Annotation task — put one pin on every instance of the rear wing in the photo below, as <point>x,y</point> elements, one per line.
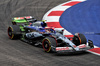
<point>21,20</point>
<point>25,17</point>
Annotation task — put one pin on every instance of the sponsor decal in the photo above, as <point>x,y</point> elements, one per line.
<point>82,46</point>
<point>62,48</point>
<point>74,46</point>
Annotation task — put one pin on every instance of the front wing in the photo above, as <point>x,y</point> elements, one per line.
<point>82,47</point>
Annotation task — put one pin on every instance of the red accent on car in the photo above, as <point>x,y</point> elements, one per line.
<point>82,46</point>
<point>62,48</point>
<point>74,46</point>
<point>69,36</point>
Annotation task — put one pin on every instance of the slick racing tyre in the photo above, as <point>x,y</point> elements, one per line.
<point>13,32</point>
<point>79,39</point>
<point>47,43</point>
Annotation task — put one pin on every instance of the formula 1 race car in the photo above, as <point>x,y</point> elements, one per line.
<point>36,32</point>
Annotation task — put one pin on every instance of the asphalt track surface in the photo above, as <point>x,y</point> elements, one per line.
<point>18,53</point>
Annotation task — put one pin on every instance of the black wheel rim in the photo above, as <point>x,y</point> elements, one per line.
<point>76,41</point>
<point>46,45</point>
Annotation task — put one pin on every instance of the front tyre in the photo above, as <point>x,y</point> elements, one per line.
<point>47,43</point>
<point>79,39</point>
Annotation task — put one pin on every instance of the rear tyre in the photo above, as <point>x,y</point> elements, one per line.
<point>79,39</point>
<point>47,43</point>
<point>13,32</point>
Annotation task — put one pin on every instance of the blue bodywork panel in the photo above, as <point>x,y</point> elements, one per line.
<point>36,28</point>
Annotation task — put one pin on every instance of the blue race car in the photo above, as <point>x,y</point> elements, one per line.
<point>36,32</point>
